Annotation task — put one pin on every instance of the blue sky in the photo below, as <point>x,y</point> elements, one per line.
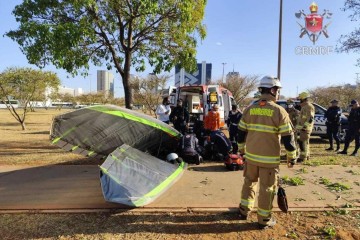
<point>244,35</point>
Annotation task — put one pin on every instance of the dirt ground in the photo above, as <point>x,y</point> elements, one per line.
<point>32,147</point>
<point>308,225</point>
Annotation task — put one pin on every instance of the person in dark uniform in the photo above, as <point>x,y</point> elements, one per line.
<point>353,129</point>
<point>221,143</point>
<point>333,115</point>
<point>190,151</point>
<point>180,117</point>
<point>232,123</point>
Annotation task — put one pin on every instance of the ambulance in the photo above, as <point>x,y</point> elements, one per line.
<point>199,99</point>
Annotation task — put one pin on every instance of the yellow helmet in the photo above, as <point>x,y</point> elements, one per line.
<point>303,95</point>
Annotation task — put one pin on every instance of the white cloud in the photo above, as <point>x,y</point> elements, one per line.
<point>219,43</point>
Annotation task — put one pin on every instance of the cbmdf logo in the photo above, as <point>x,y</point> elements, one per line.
<point>315,24</point>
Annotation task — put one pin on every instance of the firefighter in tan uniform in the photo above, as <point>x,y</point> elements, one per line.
<point>293,112</point>
<point>305,125</point>
<point>261,128</point>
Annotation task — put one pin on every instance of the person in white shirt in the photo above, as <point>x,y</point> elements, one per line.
<point>163,111</point>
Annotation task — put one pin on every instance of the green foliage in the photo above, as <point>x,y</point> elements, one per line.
<point>338,187</point>
<point>294,181</point>
<point>302,170</point>
<point>292,235</point>
<point>353,172</point>
<point>325,181</point>
<point>25,85</point>
<point>115,33</point>
<point>330,231</point>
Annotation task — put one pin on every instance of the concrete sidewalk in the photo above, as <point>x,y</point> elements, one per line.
<point>208,186</point>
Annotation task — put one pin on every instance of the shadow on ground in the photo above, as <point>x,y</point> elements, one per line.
<point>91,224</point>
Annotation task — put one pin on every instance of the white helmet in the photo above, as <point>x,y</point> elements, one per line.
<point>269,82</point>
<point>171,157</point>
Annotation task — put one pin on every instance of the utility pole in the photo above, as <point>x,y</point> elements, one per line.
<point>279,46</point>
<point>223,71</point>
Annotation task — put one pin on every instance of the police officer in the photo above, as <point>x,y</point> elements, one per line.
<point>353,130</point>
<point>180,117</point>
<point>232,123</point>
<point>293,113</point>
<point>305,125</point>
<point>332,115</point>
<point>262,125</point>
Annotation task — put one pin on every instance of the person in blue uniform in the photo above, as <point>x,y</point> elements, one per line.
<point>333,115</point>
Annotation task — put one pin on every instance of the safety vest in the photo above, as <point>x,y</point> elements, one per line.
<point>212,121</point>
<point>265,123</point>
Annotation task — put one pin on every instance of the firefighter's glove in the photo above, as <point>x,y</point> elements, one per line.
<point>282,200</point>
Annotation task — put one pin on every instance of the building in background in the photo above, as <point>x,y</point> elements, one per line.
<point>201,76</point>
<point>232,75</point>
<point>65,90</point>
<point>78,92</point>
<point>105,82</point>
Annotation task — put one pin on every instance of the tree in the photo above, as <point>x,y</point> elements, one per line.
<point>62,98</point>
<point>351,42</point>
<point>241,86</point>
<point>147,91</point>
<point>118,33</point>
<point>24,84</point>
<point>343,93</point>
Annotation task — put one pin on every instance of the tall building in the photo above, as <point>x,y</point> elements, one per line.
<point>201,76</point>
<point>232,75</point>
<point>105,82</point>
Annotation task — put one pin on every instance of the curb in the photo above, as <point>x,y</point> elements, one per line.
<point>160,210</point>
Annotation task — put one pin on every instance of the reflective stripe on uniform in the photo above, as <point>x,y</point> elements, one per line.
<point>242,124</point>
<point>285,128</point>
<point>291,154</point>
<point>263,159</point>
<point>247,202</point>
<point>263,212</point>
<point>262,128</point>
<point>241,145</point>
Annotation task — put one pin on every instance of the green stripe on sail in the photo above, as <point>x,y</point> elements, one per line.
<point>129,116</point>
<point>106,172</point>
<point>74,148</point>
<point>65,133</point>
<point>160,187</point>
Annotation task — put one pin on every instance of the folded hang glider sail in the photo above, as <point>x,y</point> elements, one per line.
<point>98,130</point>
<point>134,178</point>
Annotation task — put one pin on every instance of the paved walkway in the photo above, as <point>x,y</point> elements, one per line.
<point>206,187</point>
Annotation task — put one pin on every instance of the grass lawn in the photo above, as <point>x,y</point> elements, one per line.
<point>33,147</point>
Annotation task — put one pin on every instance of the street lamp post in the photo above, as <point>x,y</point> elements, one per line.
<point>90,81</point>
<point>223,71</point>
<point>280,36</point>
